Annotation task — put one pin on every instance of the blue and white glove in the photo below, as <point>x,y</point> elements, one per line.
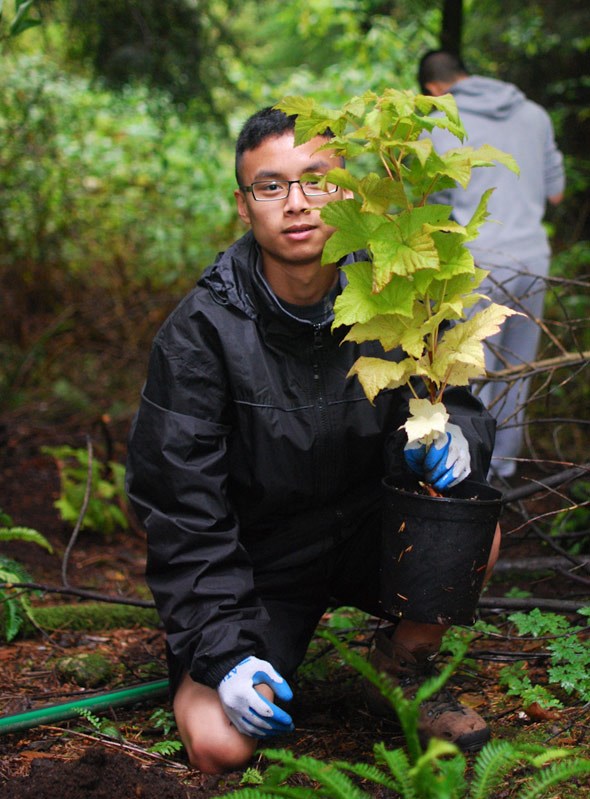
<point>443,464</point>
<point>249,712</point>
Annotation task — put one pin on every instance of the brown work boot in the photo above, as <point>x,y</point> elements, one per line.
<point>441,716</point>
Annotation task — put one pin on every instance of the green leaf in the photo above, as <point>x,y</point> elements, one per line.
<point>353,229</point>
<point>479,216</point>
<point>358,304</point>
<point>486,155</point>
<point>447,105</point>
<point>379,194</point>
<point>343,178</point>
<point>453,256</point>
<point>401,247</point>
<point>21,21</point>
<point>311,120</point>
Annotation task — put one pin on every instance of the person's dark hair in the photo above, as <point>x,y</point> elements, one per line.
<point>439,65</point>
<point>262,125</point>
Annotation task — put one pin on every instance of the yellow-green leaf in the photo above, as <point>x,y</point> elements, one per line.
<point>460,354</point>
<point>391,332</point>
<point>375,374</point>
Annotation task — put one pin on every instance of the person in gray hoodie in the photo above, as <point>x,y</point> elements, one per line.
<point>513,244</point>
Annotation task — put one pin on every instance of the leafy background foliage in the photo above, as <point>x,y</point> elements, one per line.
<point>117,124</point>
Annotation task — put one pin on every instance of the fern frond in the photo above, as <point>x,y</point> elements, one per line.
<point>495,760</point>
<point>407,710</point>
<point>86,714</point>
<point>11,571</point>
<point>15,604</point>
<point>398,764</point>
<point>366,771</point>
<point>25,534</point>
<point>333,783</point>
<point>553,775</point>
<point>166,748</point>
<point>12,615</point>
<point>287,791</point>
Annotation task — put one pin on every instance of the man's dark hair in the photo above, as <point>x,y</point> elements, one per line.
<point>262,125</point>
<point>440,65</point>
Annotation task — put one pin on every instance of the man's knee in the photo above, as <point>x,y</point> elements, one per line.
<point>218,754</point>
<point>212,743</point>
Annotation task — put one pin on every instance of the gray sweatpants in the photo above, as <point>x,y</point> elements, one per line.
<point>522,288</point>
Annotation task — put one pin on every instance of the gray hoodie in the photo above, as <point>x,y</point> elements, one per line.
<point>498,113</point>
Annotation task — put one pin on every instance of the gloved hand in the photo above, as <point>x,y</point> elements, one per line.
<point>249,712</point>
<point>445,462</point>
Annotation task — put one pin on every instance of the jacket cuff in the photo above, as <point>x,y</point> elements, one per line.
<point>217,671</point>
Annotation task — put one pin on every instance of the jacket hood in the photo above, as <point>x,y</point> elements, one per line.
<point>487,97</point>
<point>235,279</point>
<point>229,278</point>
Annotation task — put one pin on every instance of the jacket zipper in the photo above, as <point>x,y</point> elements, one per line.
<point>321,460</point>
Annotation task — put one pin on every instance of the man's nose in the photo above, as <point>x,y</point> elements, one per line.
<point>296,200</point>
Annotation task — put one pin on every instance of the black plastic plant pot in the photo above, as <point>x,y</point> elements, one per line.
<point>435,551</point>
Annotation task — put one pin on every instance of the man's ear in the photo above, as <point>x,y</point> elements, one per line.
<point>436,88</point>
<point>243,210</point>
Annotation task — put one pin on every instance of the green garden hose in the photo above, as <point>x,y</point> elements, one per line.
<point>68,710</point>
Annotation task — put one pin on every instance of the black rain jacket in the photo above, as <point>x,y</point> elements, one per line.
<point>249,442</point>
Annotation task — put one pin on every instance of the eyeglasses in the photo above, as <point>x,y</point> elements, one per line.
<point>266,190</point>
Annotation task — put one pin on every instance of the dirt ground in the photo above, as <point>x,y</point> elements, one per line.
<point>71,760</point>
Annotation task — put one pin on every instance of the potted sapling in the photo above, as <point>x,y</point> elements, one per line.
<point>417,295</point>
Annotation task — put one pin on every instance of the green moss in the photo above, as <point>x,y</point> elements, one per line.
<point>89,617</point>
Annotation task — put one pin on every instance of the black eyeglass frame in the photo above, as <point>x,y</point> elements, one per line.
<point>289,183</point>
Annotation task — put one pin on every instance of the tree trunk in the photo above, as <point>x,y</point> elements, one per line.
<point>452,24</point>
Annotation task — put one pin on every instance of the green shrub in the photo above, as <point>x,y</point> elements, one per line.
<point>15,602</point>
<point>105,511</point>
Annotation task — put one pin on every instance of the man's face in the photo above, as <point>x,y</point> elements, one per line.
<point>289,231</point>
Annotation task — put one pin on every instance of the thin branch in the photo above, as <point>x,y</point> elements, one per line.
<point>523,370</point>
<point>80,519</point>
<point>546,563</point>
<point>134,750</point>
<point>530,603</point>
<point>568,475</point>
<point>82,593</point>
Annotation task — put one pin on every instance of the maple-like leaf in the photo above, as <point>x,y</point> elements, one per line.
<point>343,178</point>
<point>312,120</point>
<point>358,304</point>
<point>459,354</point>
<point>379,194</point>
<point>454,257</point>
<point>353,229</point>
<point>391,332</point>
<point>486,155</point>
<point>447,105</point>
<point>426,420</point>
<point>398,253</point>
<point>376,374</point>
<point>402,246</point>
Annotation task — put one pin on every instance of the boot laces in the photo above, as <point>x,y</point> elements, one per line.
<point>440,702</point>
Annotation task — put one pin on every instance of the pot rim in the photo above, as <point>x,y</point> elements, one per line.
<point>409,488</point>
